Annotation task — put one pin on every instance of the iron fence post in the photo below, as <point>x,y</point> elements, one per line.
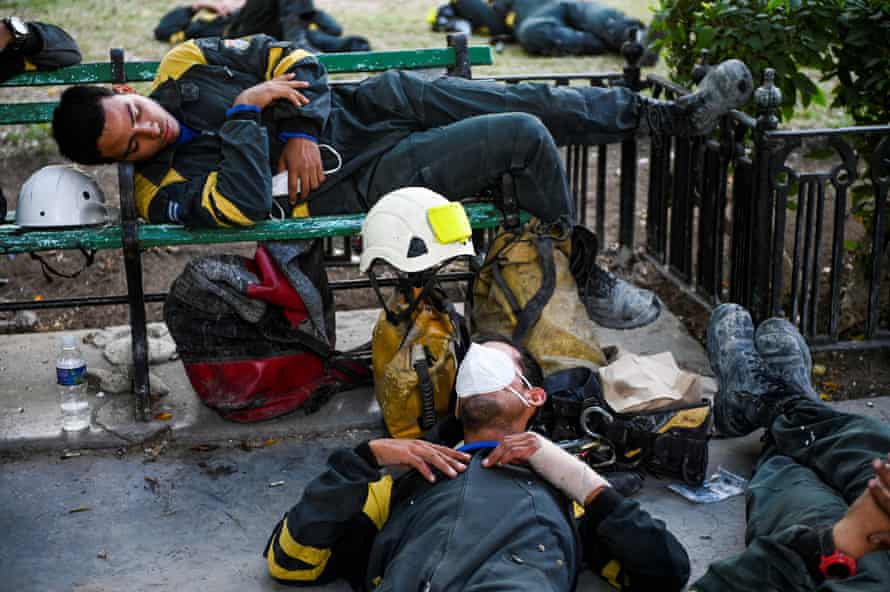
<point>632,50</point>
<point>133,268</point>
<point>768,98</point>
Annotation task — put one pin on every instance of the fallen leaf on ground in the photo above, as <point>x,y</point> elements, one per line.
<point>164,416</point>
<point>204,447</point>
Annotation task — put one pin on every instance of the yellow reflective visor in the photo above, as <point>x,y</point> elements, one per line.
<point>450,223</point>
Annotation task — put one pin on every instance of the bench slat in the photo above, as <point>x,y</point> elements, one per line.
<point>26,113</point>
<point>16,240</point>
<point>336,63</point>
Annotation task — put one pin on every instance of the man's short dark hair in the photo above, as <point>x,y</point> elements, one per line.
<point>78,122</point>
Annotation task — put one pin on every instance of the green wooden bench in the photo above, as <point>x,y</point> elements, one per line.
<point>132,237</point>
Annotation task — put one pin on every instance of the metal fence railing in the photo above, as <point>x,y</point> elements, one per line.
<point>752,215</point>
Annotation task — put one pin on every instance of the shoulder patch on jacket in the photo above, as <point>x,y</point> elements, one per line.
<point>177,62</point>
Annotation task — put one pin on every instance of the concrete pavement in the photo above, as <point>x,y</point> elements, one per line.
<point>167,515</point>
<point>29,410</point>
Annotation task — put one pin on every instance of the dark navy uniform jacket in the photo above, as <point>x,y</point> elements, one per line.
<point>487,529</point>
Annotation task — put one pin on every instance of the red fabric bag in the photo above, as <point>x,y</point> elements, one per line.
<point>251,346</point>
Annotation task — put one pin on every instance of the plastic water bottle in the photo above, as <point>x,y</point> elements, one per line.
<point>71,376</point>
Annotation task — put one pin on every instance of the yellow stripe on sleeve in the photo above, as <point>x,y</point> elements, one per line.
<point>377,504</point>
<point>610,573</point>
<point>273,58</point>
<point>177,62</point>
<point>212,201</point>
<point>289,60</point>
<point>310,555</point>
<point>30,67</point>
<point>301,210</point>
<point>146,190</point>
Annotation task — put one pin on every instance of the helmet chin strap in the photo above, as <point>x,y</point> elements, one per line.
<point>428,279</point>
<point>49,271</point>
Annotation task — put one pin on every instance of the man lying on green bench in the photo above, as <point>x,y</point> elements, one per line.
<point>222,115</point>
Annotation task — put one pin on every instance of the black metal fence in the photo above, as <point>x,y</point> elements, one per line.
<point>762,216</point>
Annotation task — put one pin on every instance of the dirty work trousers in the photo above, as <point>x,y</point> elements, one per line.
<point>459,137</point>
<point>574,27</point>
<point>818,463</point>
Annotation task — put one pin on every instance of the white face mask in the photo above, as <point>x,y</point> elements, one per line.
<point>488,370</point>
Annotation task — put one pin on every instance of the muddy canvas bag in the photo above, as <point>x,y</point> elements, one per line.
<point>256,336</point>
<point>525,290</point>
<point>418,342</point>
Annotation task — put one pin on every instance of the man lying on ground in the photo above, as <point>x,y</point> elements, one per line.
<point>554,27</point>
<point>297,21</point>
<point>476,517</point>
<point>492,512</point>
<point>222,115</point>
<point>26,46</point>
<point>818,506</point>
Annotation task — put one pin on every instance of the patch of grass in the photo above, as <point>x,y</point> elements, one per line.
<point>99,25</point>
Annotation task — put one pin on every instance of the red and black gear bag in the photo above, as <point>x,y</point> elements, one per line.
<point>249,345</point>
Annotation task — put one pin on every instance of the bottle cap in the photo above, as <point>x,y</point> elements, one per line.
<point>68,341</point>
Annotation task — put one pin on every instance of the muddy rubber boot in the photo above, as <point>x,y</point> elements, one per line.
<point>749,394</point>
<point>727,86</point>
<point>610,302</point>
<point>786,353</point>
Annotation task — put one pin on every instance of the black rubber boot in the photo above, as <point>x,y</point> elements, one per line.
<point>727,86</point>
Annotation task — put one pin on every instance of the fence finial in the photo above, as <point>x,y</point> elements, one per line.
<point>768,97</point>
<point>632,49</point>
<point>700,70</point>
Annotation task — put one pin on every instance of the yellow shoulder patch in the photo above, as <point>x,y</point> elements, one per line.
<point>177,62</point>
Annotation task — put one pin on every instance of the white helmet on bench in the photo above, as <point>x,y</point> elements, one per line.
<point>59,196</point>
<point>414,229</point>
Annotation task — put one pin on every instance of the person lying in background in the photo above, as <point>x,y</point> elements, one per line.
<point>29,46</point>
<point>312,29</point>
